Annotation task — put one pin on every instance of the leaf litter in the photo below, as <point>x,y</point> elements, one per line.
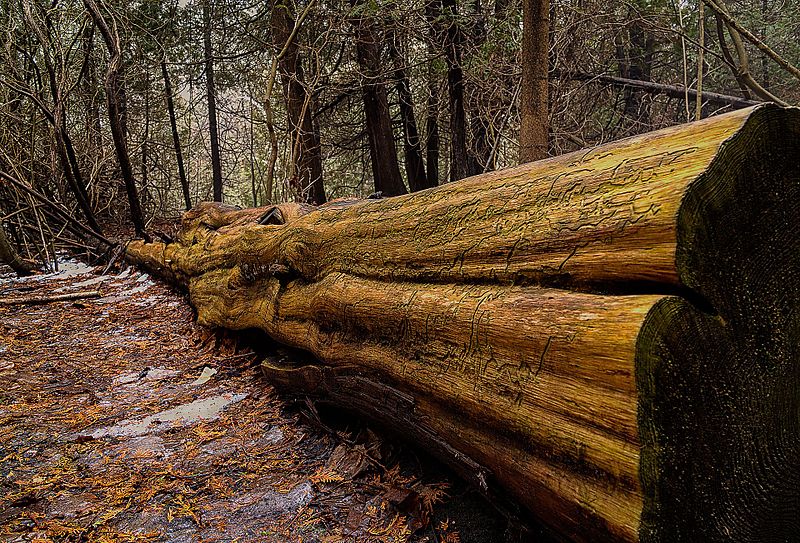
<point>123,420</point>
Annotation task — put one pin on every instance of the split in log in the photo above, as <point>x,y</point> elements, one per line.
<point>611,335</point>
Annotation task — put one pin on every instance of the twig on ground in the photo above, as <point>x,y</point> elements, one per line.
<point>38,300</point>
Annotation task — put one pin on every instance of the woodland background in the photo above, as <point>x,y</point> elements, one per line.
<point>116,110</point>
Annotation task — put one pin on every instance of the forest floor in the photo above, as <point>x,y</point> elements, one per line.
<point>123,420</point>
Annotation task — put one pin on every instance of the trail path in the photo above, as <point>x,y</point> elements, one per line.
<point>123,420</point>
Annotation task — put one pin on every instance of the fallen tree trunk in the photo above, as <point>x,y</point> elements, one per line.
<point>610,335</point>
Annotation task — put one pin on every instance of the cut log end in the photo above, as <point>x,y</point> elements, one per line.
<point>719,390</point>
<point>665,412</point>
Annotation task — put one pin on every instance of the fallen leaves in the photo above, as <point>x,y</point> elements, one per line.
<point>69,371</point>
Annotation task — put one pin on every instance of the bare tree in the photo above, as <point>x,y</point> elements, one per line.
<point>56,116</point>
<point>443,15</point>
<point>211,99</point>
<point>113,84</point>
<point>176,142</point>
<point>412,148</point>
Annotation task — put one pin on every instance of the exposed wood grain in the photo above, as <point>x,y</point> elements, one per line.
<point>610,336</point>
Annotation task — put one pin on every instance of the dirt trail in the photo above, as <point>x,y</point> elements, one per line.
<point>122,420</point>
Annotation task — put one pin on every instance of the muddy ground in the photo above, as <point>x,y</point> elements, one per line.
<point>123,420</point>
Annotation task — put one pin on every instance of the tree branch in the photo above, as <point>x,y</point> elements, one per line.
<point>673,91</point>
<point>719,8</point>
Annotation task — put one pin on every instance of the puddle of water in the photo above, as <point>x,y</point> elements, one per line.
<point>136,290</point>
<point>112,299</point>
<point>208,409</point>
<point>92,281</point>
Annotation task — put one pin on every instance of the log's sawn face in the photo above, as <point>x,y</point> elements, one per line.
<point>719,382</point>
<point>610,335</point>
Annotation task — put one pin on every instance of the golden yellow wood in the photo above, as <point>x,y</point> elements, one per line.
<point>610,336</point>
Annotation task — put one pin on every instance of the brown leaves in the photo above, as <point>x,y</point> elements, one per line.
<point>77,370</point>
<point>348,461</point>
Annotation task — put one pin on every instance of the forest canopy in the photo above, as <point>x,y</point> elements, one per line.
<point>116,110</point>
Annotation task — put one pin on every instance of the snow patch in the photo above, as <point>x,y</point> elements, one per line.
<point>208,409</point>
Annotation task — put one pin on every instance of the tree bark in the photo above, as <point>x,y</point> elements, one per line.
<point>211,100</point>
<point>176,141</point>
<point>432,127</point>
<point>113,89</point>
<point>443,15</point>
<point>412,149</point>
<point>304,139</point>
<point>533,102</point>
<point>382,150</point>
<point>610,335</point>
<point>8,255</point>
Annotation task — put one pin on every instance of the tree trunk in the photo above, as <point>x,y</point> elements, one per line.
<point>412,149</point>
<point>481,155</point>
<point>94,130</point>
<point>211,100</point>
<point>56,116</point>
<point>9,256</point>
<point>146,136</point>
<point>66,151</point>
<point>113,89</point>
<point>533,102</point>
<point>71,171</point>
<point>252,149</point>
<point>634,60</point>
<point>432,127</point>
<point>306,149</point>
<point>765,22</point>
<point>444,17</point>
<point>382,150</point>
<point>187,198</point>
<point>610,335</point>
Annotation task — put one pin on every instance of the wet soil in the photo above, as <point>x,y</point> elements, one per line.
<point>123,420</point>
